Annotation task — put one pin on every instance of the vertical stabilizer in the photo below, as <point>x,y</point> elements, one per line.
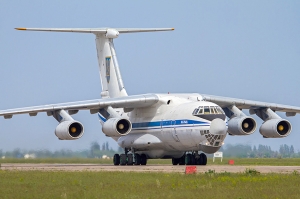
<point>111,80</point>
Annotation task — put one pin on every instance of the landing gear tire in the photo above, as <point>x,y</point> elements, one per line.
<point>198,161</point>
<point>175,161</point>
<point>188,159</point>
<point>137,158</point>
<point>123,159</point>
<point>143,159</point>
<point>129,159</point>
<point>193,160</point>
<point>203,159</point>
<point>182,160</point>
<point>116,159</point>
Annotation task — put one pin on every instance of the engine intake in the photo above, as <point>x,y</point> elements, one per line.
<point>116,127</point>
<point>241,126</point>
<point>69,130</point>
<point>275,128</point>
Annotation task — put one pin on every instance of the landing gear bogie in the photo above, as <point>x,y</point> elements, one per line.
<point>191,159</point>
<point>130,159</point>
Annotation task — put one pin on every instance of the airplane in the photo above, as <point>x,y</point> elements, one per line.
<point>183,127</point>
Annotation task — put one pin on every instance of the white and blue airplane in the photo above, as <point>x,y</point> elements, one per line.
<point>181,127</point>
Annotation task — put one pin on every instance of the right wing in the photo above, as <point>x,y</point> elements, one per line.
<point>250,104</point>
<point>134,101</point>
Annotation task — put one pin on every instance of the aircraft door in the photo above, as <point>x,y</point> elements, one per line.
<point>174,132</point>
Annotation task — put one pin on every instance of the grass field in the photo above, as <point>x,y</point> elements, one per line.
<point>41,184</point>
<point>238,161</point>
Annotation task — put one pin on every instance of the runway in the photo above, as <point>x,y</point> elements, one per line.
<point>147,168</point>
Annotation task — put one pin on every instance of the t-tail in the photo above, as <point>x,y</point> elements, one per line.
<point>111,79</point>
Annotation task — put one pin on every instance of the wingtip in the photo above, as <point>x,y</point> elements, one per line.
<point>20,28</point>
<point>173,28</point>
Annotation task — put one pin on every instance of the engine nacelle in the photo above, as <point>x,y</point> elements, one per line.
<point>69,130</point>
<point>116,127</point>
<point>241,126</point>
<point>275,128</point>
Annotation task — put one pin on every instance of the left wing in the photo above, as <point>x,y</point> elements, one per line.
<point>135,101</point>
<point>251,105</point>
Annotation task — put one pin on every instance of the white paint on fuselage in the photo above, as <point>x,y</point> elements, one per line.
<point>172,122</point>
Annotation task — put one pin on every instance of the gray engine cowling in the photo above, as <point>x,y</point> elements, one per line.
<point>69,130</point>
<point>241,126</point>
<point>275,128</point>
<point>116,127</point>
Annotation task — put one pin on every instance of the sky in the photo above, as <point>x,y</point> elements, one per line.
<point>242,49</point>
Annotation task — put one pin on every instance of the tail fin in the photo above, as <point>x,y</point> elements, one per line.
<point>111,80</point>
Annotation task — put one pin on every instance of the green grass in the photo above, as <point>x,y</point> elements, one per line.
<point>59,184</point>
<point>238,161</point>
<point>257,161</point>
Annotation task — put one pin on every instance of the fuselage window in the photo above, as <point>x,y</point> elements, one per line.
<point>206,110</point>
<point>212,110</point>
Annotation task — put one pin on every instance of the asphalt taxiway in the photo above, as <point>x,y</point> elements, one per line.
<point>147,168</point>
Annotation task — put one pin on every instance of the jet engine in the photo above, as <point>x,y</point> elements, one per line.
<point>69,130</point>
<point>275,128</point>
<point>241,125</point>
<point>116,127</point>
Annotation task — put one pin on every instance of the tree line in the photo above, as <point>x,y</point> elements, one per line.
<point>97,150</point>
<point>260,151</point>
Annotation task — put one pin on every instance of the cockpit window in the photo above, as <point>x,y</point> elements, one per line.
<point>195,111</point>
<point>206,110</point>
<point>216,110</point>
<point>220,111</point>
<point>200,110</point>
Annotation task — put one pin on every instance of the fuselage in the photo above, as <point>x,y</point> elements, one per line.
<point>176,124</point>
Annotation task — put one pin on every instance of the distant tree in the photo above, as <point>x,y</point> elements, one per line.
<point>103,147</point>
<point>284,150</point>
<point>106,146</point>
<point>237,150</point>
<point>16,153</point>
<point>95,148</point>
<point>254,149</point>
<point>281,150</point>
<point>287,150</point>
<point>292,151</point>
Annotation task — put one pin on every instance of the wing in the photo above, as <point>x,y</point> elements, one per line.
<point>135,101</point>
<point>249,104</point>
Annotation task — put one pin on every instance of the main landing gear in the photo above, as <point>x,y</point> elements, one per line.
<point>130,158</point>
<point>191,159</point>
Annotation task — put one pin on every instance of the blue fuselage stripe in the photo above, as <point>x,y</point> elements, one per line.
<point>181,123</point>
<point>168,124</point>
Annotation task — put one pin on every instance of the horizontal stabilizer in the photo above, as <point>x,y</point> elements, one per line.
<point>97,30</point>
